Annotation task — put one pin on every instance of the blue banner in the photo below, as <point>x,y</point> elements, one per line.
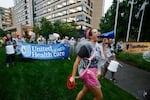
<point>108,35</point>
<point>44,51</point>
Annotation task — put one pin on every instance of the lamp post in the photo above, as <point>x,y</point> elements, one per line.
<point>140,25</point>
<point>142,8</point>
<point>129,23</point>
<point>116,18</point>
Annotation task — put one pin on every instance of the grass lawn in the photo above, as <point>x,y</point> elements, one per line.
<point>134,59</point>
<point>46,80</point>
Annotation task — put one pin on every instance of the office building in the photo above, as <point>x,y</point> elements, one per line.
<point>23,11</point>
<point>86,13</point>
<point>5,18</point>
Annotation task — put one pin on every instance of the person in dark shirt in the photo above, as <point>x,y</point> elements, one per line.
<point>89,78</point>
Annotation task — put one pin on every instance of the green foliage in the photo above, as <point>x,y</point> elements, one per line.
<point>46,80</point>
<point>107,22</point>
<point>46,27</point>
<point>134,59</point>
<point>2,32</point>
<point>62,28</point>
<point>66,29</point>
<point>36,29</point>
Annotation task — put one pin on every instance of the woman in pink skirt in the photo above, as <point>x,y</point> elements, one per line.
<point>89,77</point>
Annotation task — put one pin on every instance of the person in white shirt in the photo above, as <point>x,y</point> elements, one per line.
<point>119,46</point>
<point>103,59</point>
<point>110,55</point>
<point>72,43</point>
<point>66,42</point>
<point>32,38</point>
<point>41,40</point>
<point>10,45</point>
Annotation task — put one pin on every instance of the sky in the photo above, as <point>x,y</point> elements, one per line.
<point>10,3</point>
<point>6,3</point>
<point>108,3</point>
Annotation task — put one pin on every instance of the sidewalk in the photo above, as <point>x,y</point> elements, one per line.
<point>132,79</point>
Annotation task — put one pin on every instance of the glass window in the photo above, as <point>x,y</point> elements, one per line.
<point>53,15</point>
<point>26,17</point>
<point>88,20</point>
<point>49,9</point>
<point>72,10</point>
<point>49,17</point>
<point>59,6</point>
<point>89,1</point>
<point>79,8</point>
<point>80,18</point>
<point>48,2</point>
<point>83,8</point>
<point>53,8</point>
<point>64,3</point>
<point>27,22</point>
<point>64,20</point>
<point>71,19</point>
<point>76,9</point>
<point>64,12</point>
<point>79,27</point>
<point>44,11</point>
<point>91,5</point>
<point>61,13</point>
<point>38,1</point>
<point>90,13</point>
<point>83,27</point>
<point>71,1</point>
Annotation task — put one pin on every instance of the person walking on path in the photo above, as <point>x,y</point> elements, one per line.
<point>110,56</point>
<point>89,78</point>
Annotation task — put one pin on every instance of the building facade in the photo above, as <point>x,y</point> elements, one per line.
<point>5,18</point>
<point>86,13</point>
<point>83,12</point>
<point>23,11</point>
<point>98,12</point>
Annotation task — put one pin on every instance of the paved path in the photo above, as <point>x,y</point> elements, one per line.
<point>133,80</point>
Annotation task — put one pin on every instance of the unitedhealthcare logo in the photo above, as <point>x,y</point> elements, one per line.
<point>26,50</point>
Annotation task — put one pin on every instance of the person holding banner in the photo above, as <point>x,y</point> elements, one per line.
<point>89,78</point>
<point>110,55</point>
<point>10,50</point>
<point>41,39</point>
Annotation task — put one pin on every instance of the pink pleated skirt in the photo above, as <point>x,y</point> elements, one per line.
<point>90,79</point>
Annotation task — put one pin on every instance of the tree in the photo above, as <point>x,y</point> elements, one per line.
<point>46,27</point>
<point>36,29</point>
<point>62,28</point>
<point>73,32</point>
<point>57,27</point>
<point>66,29</point>
<point>107,22</point>
<point>2,32</point>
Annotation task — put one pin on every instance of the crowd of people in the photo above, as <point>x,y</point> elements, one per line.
<point>13,44</point>
<point>99,52</point>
